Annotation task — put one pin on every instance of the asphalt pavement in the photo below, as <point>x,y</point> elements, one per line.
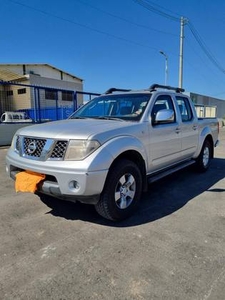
<point>172,248</point>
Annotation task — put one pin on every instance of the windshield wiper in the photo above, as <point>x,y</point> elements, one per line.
<point>109,118</point>
<point>78,117</point>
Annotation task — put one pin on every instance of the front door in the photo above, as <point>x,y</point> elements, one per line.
<point>165,138</point>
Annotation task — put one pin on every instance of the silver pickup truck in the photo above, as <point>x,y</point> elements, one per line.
<point>108,151</point>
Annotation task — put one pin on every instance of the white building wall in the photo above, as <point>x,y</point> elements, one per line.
<point>67,77</point>
<point>43,71</point>
<point>20,101</point>
<point>58,84</point>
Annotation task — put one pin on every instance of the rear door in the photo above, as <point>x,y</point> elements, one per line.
<point>189,128</point>
<point>165,139</point>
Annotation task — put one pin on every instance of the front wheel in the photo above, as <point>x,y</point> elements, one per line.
<point>122,191</point>
<point>204,159</point>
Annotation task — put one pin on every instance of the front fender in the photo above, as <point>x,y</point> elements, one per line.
<point>103,157</point>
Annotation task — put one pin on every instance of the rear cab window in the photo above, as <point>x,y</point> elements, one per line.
<point>185,108</point>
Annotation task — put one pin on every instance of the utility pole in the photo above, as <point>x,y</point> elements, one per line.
<point>182,23</point>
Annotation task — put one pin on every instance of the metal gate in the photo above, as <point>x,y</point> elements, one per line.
<point>40,103</point>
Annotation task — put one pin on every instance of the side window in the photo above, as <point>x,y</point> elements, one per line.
<point>16,117</point>
<point>162,102</point>
<point>185,109</point>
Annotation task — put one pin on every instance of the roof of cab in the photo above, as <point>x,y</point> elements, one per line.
<point>152,88</point>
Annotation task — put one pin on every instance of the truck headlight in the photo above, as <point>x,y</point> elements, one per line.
<point>79,149</point>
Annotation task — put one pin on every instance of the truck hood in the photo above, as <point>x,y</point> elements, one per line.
<point>100,130</point>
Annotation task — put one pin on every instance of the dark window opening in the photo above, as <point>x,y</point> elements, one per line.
<point>50,95</point>
<point>21,91</point>
<point>9,93</point>
<point>67,96</point>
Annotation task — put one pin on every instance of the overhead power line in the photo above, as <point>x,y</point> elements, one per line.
<point>82,25</point>
<point>124,19</point>
<point>204,48</point>
<point>157,9</point>
<point>151,6</point>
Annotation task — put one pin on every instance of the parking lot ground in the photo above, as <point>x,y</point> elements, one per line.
<point>172,248</point>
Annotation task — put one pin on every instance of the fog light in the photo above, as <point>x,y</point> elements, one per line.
<point>74,185</point>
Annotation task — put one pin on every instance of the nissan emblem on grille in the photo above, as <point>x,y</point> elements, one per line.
<point>32,147</point>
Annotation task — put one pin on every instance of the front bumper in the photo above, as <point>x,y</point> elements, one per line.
<point>63,179</point>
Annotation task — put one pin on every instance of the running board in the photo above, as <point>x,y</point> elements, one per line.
<point>153,178</point>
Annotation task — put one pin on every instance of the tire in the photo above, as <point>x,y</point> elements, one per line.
<point>204,159</point>
<point>122,191</point>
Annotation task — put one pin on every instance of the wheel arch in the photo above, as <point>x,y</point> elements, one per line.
<point>210,140</point>
<point>136,158</point>
<point>203,160</point>
<point>204,136</point>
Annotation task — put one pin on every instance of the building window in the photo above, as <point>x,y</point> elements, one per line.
<point>67,96</point>
<point>21,91</point>
<point>9,93</point>
<point>50,95</point>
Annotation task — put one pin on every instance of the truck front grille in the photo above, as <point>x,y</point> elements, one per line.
<point>33,147</point>
<point>59,149</point>
<point>40,149</point>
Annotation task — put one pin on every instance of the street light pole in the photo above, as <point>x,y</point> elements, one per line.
<point>166,66</point>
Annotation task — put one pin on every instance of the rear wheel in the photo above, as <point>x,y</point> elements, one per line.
<point>204,159</point>
<point>121,192</point>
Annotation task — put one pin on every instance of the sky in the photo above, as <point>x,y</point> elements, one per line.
<point>117,43</point>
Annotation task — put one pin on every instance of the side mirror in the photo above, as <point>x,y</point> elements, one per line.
<point>164,116</point>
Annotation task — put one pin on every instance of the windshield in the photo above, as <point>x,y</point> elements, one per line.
<point>123,107</point>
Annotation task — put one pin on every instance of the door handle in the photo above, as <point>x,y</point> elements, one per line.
<point>177,130</point>
<point>194,127</point>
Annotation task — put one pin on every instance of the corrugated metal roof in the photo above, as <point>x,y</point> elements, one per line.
<point>41,64</point>
<point>7,75</point>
